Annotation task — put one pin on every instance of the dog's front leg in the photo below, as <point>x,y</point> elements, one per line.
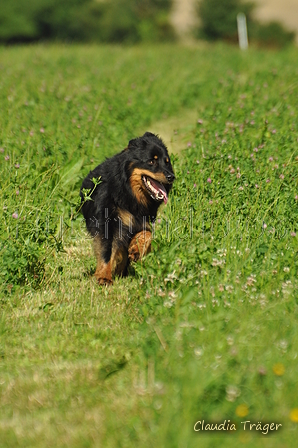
<point>140,245</point>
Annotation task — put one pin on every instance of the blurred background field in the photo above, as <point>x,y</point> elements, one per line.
<point>184,15</point>
<point>130,21</point>
<point>203,328</point>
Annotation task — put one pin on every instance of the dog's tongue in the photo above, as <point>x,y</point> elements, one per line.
<point>161,189</point>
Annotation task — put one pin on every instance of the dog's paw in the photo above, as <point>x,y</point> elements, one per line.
<point>133,253</point>
<point>139,246</point>
<point>104,281</point>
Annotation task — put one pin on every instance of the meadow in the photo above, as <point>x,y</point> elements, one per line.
<point>205,327</point>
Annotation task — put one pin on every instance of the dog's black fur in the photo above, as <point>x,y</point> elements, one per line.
<point>124,204</point>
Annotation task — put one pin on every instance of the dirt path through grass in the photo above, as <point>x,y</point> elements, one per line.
<point>176,131</point>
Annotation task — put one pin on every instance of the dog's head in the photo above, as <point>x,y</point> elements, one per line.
<point>150,171</point>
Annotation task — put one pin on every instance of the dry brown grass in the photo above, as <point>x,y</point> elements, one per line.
<point>176,131</point>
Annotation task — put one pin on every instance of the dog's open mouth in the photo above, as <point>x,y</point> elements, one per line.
<point>156,190</point>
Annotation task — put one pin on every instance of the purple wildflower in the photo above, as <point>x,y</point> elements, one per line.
<point>209,180</point>
<point>15,215</point>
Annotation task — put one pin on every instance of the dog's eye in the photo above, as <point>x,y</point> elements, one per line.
<point>152,162</point>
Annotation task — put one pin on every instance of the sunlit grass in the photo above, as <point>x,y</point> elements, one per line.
<point>205,327</point>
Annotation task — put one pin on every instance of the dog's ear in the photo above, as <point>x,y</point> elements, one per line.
<point>148,134</point>
<point>149,137</point>
<point>134,143</point>
<point>138,143</point>
<point>142,142</point>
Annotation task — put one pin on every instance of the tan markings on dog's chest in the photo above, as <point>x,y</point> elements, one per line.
<point>126,218</point>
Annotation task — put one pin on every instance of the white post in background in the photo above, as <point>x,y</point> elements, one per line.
<point>242,31</point>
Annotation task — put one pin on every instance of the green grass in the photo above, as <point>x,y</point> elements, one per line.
<point>206,326</point>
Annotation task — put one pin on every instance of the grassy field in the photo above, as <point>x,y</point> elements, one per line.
<point>205,328</point>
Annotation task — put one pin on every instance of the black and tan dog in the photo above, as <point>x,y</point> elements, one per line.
<point>132,186</point>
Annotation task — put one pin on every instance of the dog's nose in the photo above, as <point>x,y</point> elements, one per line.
<point>170,177</point>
